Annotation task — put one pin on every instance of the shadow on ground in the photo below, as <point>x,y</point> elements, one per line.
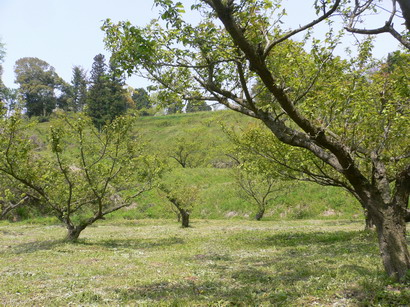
<point>136,243</point>
<point>32,247</point>
<point>242,279</point>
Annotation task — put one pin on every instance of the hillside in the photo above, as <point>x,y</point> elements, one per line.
<point>210,170</point>
<point>219,195</point>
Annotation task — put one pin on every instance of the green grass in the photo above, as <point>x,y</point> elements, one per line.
<point>214,263</point>
<point>219,197</point>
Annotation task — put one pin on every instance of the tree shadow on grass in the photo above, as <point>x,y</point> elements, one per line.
<point>292,239</point>
<point>244,287</point>
<point>254,287</point>
<point>304,266</point>
<point>199,293</point>
<point>32,247</point>
<point>135,243</point>
<point>379,292</point>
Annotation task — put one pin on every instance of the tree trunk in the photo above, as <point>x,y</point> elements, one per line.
<point>405,8</point>
<point>391,231</point>
<point>260,214</point>
<point>369,221</point>
<point>73,233</point>
<point>185,218</point>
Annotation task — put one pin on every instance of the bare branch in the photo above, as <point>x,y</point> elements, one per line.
<point>387,28</point>
<point>288,35</point>
<point>11,206</point>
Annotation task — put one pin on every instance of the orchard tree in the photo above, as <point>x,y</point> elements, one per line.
<point>260,180</point>
<point>357,14</point>
<point>183,152</point>
<point>347,118</point>
<point>86,175</point>
<point>11,198</point>
<point>38,83</point>
<point>183,197</point>
<point>189,148</point>
<point>259,186</point>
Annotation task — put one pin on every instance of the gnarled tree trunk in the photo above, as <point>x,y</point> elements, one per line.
<point>73,232</point>
<point>391,232</point>
<point>183,215</point>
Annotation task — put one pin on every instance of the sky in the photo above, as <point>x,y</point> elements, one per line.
<point>66,33</point>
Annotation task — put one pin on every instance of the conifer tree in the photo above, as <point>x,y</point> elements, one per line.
<point>106,98</point>
<point>79,89</point>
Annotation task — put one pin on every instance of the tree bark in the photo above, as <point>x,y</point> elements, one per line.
<point>184,218</point>
<point>405,8</point>
<point>391,231</point>
<point>369,224</point>
<point>73,232</point>
<point>259,214</point>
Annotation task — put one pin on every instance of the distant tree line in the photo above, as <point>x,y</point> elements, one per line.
<point>102,95</point>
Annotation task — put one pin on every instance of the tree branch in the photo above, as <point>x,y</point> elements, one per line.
<point>288,35</point>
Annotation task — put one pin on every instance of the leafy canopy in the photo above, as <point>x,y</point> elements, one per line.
<point>358,101</point>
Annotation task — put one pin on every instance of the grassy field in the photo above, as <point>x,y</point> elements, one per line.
<point>213,263</point>
<point>219,198</point>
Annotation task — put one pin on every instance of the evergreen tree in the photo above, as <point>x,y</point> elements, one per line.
<point>65,99</point>
<point>106,98</point>
<point>118,93</point>
<point>79,89</point>
<point>142,101</point>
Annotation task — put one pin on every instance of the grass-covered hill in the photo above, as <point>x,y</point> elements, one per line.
<point>219,196</point>
<point>210,170</point>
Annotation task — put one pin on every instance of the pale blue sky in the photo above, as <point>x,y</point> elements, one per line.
<point>65,33</point>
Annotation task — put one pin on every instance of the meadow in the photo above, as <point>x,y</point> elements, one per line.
<point>213,263</point>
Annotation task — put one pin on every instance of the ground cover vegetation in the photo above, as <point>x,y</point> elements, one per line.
<point>338,122</point>
<point>213,263</point>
